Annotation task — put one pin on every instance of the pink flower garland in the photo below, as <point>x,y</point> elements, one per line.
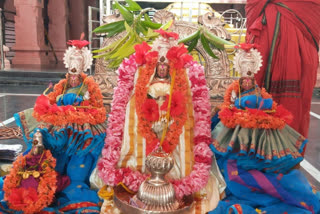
<point>107,165</point>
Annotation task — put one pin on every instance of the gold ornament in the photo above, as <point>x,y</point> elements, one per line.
<point>25,175</point>
<point>36,174</point>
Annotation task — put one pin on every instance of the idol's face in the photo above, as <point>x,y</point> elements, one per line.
<point>74,79</point>
<point>162,70</point>
<point>247,83</point>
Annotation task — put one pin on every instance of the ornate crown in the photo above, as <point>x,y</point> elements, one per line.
<point>248,60</point>
<point>77,58</point>
<point>163,43</point>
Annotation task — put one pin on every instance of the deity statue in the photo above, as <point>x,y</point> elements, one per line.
<point>161,102</point>
<point>252,124</point>
<point>249,94</point>
<point>72,123</point>
<point>32,182</point>
<point>257,150</point>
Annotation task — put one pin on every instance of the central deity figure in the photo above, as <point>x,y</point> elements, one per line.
<point>161,101</point>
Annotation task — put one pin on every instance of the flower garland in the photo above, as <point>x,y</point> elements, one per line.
<point>107,165</point>
<point>252,118</point>
<point>30,200</point>
<point>144,125</point>
<point>46,109</point>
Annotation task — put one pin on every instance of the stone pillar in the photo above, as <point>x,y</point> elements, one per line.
<point>78,18</point>
<point>7,64</point>
<point>30,47</point>
<point>58,27</point>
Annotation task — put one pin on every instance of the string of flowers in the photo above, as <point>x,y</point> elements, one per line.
<point>48,111</point>
<point>178,110</point>
<point>107,165</point>
<point>252,118</point>
<point>30,200</point>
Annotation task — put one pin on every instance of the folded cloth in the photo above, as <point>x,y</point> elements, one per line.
<point>10,152</point>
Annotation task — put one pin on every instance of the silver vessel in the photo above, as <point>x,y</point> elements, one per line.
<point>156,194</point>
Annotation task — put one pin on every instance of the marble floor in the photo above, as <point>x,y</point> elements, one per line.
<point>17,98</point>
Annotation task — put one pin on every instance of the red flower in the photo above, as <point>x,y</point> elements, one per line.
<point>78,43</point>
<point>23,196</point>
<point>177,104</point>
<point>55,108</point>
<point>283,114</point>
<point>178,55</point>
<point>246,46</point>
<point>168,147</point>
<point>42,105</point>
<point>141,50</point>
<point>67,108</point>
<point>150,110</point>
<point>167,35</point>
<point>150,146</point>
<point>202,139</point>
<point>201,159</point>
<point>152,57</point>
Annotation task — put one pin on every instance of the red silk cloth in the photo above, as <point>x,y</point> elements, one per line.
<point>295,55</point>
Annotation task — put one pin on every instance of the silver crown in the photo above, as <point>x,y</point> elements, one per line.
<point>247,63</point>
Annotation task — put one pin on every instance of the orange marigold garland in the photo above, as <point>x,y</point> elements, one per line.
<point>252,118</point>
<point>144,125</point>
<point>30,200</point>
<point>47,111</point>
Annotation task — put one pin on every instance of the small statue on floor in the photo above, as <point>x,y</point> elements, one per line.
<point>32,182</point>
<point>252,124</point>
<point>72,121</point>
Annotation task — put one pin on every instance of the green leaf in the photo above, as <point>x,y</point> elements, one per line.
<point>151,25</point>
<point>151,34</point>
<point>147,17</point>
<point>190,37</point>
<point>167,25</point>
<point>115,63</point>
<point>116,31</point>
<point>206,46</point>
<point>127,27</point>
<point>101,50</point>
<point>100,56</point>
<point>122,51</point>
<point>109,27</point>
<point>113,46</point>
<point>133,6</point>
<point>126,14</point>
<point>141,28</point>
<point>193,44</point>
<point>216,41</point>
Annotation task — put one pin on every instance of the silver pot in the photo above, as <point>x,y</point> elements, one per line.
<point>155,194</point>
<point>122,201</point>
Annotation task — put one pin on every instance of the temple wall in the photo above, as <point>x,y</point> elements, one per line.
<point>42,27</point>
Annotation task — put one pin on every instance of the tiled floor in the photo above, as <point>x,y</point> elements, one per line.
<point>17,98</point>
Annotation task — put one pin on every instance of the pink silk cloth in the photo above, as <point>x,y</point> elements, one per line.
<point>293,58</point>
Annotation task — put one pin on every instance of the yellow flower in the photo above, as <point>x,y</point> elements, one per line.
<point>303,204</point>
<point>106,192</point>
<point>234,172</point>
